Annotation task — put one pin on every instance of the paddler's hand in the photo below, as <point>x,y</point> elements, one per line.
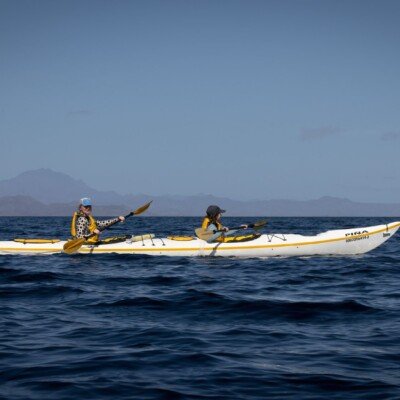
<point>97,232</point>
<point>225,229</point>
<point>121,218</point>
<point>244,226</point>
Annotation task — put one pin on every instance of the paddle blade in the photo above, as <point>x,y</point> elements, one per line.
<point>259,224</point>
<point>73,246</point>
<point>203,234</point>
<point>142,208</point>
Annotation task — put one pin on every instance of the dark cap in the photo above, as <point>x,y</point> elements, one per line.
<point>213,211</point>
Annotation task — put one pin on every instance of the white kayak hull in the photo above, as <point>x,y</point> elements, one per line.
<point>336,242</point>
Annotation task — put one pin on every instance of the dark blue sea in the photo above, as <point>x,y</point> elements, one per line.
<point>142,327</point>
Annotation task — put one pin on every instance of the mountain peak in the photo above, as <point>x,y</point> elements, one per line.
<point>45,185</point>
<point>44,173</point>
<point>328,199</point>
<point>49,186</point>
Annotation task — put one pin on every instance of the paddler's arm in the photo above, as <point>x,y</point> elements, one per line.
<point>230,231</point>
<point>226,230</point>
<point>216,235</point>
<point>107,222</point>
<point>82,228</point>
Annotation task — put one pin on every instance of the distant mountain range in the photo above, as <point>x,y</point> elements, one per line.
<point>44,192</point>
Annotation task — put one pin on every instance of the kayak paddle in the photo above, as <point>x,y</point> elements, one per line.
<point>74,245</point>
<point>204,234</point>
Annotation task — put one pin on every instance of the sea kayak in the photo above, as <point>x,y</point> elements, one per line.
<point>334,242</point>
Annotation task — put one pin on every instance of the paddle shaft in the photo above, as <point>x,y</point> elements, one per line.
<point>237,227</point>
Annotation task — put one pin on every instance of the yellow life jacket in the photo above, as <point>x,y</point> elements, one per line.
<point>92,225</point>
<point>207,221</point>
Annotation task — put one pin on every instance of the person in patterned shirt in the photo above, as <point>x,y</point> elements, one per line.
<point>83,223</point>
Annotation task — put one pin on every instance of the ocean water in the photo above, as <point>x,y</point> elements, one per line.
<point>142,327</point>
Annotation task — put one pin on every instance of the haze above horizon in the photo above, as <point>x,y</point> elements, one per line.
<point>246,100</point>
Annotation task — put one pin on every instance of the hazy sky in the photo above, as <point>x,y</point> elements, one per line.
<point>245,99</point>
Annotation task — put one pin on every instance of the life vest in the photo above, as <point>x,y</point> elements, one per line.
<point>207,221</point>
<point>92,225</point>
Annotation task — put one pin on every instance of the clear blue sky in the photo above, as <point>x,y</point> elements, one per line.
<point>244,99</point>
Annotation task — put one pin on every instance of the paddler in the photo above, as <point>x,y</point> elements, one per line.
<point>84,224</point>
<point>212,222</point>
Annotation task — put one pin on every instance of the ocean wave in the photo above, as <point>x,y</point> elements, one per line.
<point>144,301</point>
<point>34,277</point>
<point>41,291</point>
